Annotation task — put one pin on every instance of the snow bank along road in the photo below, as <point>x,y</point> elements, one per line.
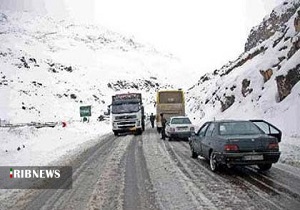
<point>144,172</point>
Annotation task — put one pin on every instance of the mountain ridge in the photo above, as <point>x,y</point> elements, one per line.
<point>263,82</point>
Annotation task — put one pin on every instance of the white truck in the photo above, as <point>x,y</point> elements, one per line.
<point>127,113</point>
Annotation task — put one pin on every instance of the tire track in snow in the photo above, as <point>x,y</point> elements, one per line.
<point>108,192</point>
<point>86,169</point>
<point>173,189</point>
<point>260,187</point>
<point>221,193</point>
<point>138,193</point>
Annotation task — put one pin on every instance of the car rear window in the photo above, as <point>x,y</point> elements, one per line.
<point>238,128</point>
<point>181,121</point>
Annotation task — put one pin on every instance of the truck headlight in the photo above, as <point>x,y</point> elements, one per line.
<point>115,125</point>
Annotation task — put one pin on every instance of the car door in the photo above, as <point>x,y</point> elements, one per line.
<point>268,128</point>
<point>206,143</point>
<point>199,137</point>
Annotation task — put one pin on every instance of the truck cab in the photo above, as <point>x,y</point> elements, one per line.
<point>127,113</point>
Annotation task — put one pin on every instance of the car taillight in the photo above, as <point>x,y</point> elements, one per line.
<point>273,146</point>
<point>231,147</point>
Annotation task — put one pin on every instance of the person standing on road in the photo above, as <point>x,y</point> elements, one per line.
<point>163,128</point>
<point>152,118</point>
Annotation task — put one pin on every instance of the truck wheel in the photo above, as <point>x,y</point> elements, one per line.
<point>213,162</point>
<point>139,132</point>
<point>115,133</point>
<point>264,167</point>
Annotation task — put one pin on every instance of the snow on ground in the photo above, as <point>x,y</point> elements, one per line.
<point>46,146</point>
<point>29,146</point>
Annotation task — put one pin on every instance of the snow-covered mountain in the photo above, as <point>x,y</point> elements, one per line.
<point>50,67</point>
<point>263,82</point>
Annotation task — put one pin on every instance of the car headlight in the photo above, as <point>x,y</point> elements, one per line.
<point>192,129</point>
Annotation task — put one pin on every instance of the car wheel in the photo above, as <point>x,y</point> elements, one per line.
<point>265,167</point>
<point>194,154</point>
<point>213,162</point>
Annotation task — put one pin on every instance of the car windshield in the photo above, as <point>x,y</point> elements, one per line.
<point>125,108</point>
<point>181,121</point>
<point>238,128</point>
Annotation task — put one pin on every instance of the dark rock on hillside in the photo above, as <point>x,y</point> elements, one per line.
<point>229,100</point>
<point>271,25</point>
<point>139,84</point>
<point>96,98</point>
<point>245,89</point>
<point>297,22</point>
<point>233,87</point>
<point>277,41</point>
<point>266,74</point>
<point>287,82</point>
<point>56,68</point>
<point>73,96</point>
<point>24,62</point>
<point>243,61</point>
<point>294,48</point>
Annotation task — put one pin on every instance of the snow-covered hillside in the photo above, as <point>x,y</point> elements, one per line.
<point>49,67</point>
<point>263,82</point>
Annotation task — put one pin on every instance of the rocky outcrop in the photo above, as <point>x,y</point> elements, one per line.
<point>287,82</point>
<point>140,84</point>
<point>229,100</point>
<point>294,48</point>
<point>266,74</point>
<point>297,22</point>
<point>245,89</point>
<point>243,61</point>
<point>275,23</point>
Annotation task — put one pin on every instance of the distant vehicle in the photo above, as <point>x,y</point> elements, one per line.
<point>170,103</point>
<point>127,113</point>
<point>237,143</point>
<point>179,128</point>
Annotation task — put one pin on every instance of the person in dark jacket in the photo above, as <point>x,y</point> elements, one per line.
<point>152,118</point>
<point>163,129</point>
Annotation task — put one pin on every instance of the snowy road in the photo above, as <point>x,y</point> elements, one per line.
<point>144,172</point>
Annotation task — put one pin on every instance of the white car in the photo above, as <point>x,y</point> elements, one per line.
<point>179,127</point>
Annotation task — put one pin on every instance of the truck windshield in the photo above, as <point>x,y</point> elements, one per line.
<point>125,108</point>
<point>239,128</point>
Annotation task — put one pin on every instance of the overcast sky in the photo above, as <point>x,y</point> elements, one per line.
<point>206,34</point>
